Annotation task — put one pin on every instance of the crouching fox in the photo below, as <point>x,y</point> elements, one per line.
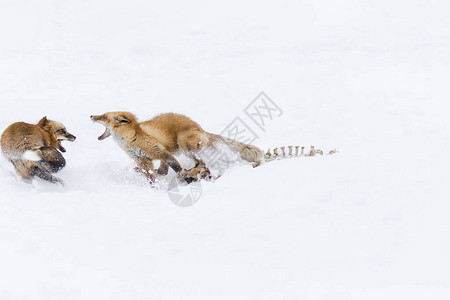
<point>34,149</point>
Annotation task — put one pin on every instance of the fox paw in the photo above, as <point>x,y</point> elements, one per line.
<point>195,174</point>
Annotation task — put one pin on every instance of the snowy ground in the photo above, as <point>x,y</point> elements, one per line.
<point>367,77</point>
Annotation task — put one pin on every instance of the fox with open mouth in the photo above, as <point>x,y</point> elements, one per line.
<point>163,136</point>
<point>34,149</point>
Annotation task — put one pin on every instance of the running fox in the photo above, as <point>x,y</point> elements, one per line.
<point>162,136</point>
<point>33,148</point>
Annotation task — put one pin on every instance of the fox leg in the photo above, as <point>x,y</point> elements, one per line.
<point>159,152</point>
<point>197,160</point>
<point>145,166</point>
<point>198,172</point>
<point>22,169</point>
<point>52,160</point>
<point>192,143</point>
<point>43,174</point>
<point>194,174</point>
<point>163,169</point>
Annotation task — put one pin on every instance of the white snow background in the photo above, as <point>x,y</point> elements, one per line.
<point>370,78</point>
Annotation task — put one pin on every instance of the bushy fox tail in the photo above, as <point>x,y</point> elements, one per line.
<point>247,152</point>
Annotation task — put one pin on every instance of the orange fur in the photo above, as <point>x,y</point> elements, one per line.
<point>162,136</point>
<point>43,138</point>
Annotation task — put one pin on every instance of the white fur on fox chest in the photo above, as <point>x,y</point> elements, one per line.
<point>133,152</point>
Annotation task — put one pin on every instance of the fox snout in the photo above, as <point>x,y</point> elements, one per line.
<point>103,120</point>
<point>99,118</point>
<point>70,137</point>
<point>63,135</point>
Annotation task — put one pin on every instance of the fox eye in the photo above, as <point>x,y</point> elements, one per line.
<point>104,117</point>
<point>61,131</point>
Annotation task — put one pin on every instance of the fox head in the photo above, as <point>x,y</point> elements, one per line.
<point>114,121</point>
<point>57,131</point>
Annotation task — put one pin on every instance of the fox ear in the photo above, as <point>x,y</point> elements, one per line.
<point>42,122</point>
<point>122,120</point>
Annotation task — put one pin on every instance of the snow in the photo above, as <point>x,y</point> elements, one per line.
<point>367,77</point>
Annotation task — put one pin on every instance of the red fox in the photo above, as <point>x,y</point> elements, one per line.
<point>33,149</point>
<point>160,137</point>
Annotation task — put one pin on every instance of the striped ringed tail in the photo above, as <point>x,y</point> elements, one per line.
<point>293,151</point>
